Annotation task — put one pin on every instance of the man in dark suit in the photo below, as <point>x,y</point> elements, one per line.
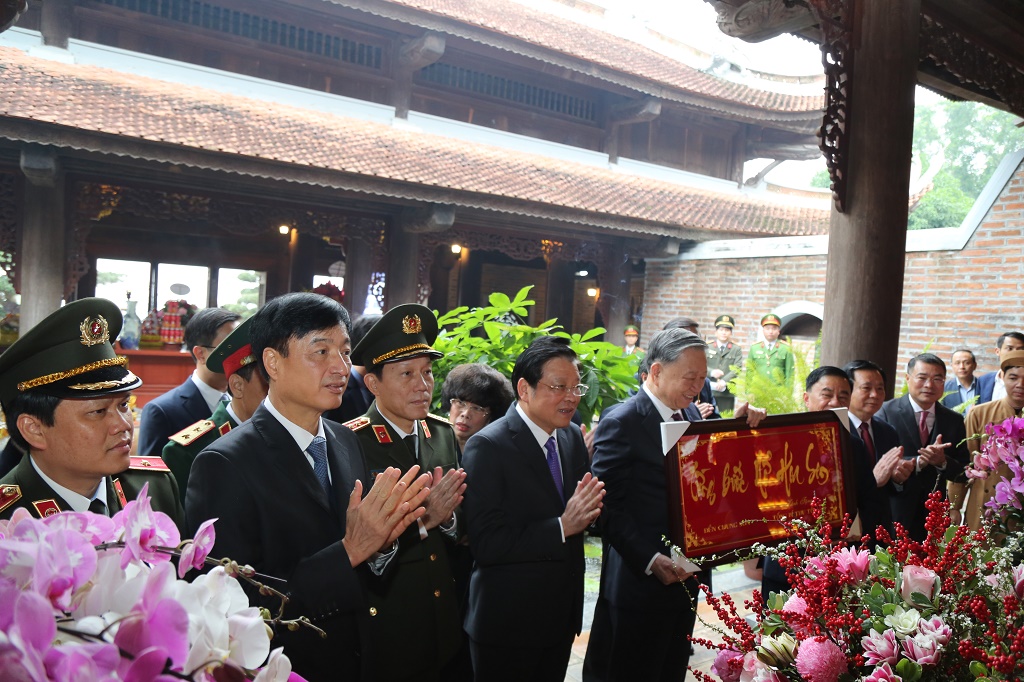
<point>649,597</point>
<point>964,385</point>
<point>65,394</point>
<point>990,385</point>
<point>879,455</point>
<point>286,488</point>
<point>198,396</point>
<point>932,436</point>
<point>529,498</point>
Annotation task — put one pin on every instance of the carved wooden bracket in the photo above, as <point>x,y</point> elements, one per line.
<point>835,18</point>
<point>10,10</point>
<point>759,20</point>
<point>972,63</point>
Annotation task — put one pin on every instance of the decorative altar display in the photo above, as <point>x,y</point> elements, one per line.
<point>86,597</point>
<point>948,608</point>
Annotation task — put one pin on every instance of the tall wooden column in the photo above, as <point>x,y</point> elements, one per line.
<point>358,273</point>
<point>561,291</point>
<point>402,284</point>
<point>615,287</point>
<point>42,253</point>
<point>301,260</point>
<point>55,22</point>
<point>867,243</point>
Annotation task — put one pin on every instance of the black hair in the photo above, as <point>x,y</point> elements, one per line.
<point>851,368</point>
<point>969,352</point>
<point>680,323</point>
<point>246,371</point>
<point>292,316</point>
<point>201,330</point>
<point>362,325</point>
<point>928,359</point>
<point>479,384</point>
<point>34,403</point>
<point>820,373</point>
<point>530,363</point>
<point>1010,335</point>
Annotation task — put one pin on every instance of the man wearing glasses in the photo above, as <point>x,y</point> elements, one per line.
<point>530,497</point>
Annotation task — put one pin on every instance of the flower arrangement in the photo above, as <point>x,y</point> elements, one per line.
<point>86,597</point>
<point>1003,455</point>
<point>948,608</point>
<point>330,291</point>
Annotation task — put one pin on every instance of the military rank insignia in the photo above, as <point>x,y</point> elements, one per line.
<point>9,494</point>
<point>120,493</point>
<point>381,432</point>
<point>46,508</point>
<point>426,429</point>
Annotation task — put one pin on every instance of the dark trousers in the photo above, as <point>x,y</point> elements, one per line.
<point>502,663</point>
<point>653,646</point>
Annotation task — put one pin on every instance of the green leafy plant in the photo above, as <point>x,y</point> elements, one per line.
<point>495,335</point>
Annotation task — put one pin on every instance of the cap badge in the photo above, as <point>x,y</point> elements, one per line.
<point>95,330</point>
<point>411,324</point>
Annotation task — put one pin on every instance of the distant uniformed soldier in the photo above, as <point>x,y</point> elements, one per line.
<point>772,358</point>
<point>723,354</point>
<point>234,358</point>
<point>65,394</point>
<point>415,625</point>
<point>631,336</point>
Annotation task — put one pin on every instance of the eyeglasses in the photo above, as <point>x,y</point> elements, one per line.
<point>473,409</point>
<point>577,390</point>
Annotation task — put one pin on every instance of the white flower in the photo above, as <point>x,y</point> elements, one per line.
<point>903,622</point>
<point>278,668</point>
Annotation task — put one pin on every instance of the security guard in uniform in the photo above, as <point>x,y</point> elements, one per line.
<point>416,630</point>
<point>772,358</point>
<point>233,358</point>
<point>66,397</point>
<point>631,336</point>
<point>722,355</point>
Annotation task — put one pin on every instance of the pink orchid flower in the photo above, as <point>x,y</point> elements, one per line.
<point>193,554</point>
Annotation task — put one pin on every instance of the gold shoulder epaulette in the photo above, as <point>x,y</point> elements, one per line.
<point>357,423</point>
<point>148,464</point>
<point>9,494</point>
<point>437,417</point>
<point>190,433</point>
<point>783,342</point>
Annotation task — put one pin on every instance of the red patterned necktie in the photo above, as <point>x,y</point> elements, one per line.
<point>865,434</point>
<point>923,427</point>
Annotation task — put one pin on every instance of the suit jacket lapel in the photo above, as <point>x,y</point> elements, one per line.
<point>287,456</point>
<point>651,421</point>
<point>534,457</point>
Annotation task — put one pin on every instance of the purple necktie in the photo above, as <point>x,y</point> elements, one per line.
<point>553,466</point>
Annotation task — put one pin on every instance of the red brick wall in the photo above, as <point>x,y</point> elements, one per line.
<point>953,299</point>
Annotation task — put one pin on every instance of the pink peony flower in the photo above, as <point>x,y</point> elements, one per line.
<point>853,564</point>
<point>820,660</point>
<point>193,554</point>
<point>934,628</point>
<point>922,649</point>
<point>728,665</point>
<point>918,579</point>
<point>145,531</point>
<point>883,673</point>
<point>880,647</point>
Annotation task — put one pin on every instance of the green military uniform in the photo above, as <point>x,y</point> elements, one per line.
<point>777,363</point>
<point>24,488</point>
<point>723,359</point>
<point>69,356</point>
<point>415,624</point>
<point>417,604</point>
<point>183,446</point>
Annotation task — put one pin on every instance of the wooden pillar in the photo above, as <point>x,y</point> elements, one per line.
<point>403,269</point>
<point>867,243</point>
<point>358,275</point>
<point>42,253</point>
<point>615,289</point>
<point>301,261</point>
<point>561,291</point>
<point>411,57</point>
<point>55,22</point>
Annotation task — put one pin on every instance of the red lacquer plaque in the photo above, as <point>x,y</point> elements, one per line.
<point>723,473</point>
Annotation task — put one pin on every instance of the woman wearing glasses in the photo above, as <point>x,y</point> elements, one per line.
<point>475,395</point>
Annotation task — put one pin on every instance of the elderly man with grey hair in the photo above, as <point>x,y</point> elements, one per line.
<point>648,598</point>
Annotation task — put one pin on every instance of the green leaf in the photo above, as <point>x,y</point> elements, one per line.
<point>908,670</point>
<point>978,669</point>
<point>596,331</point>
<point>499,300</point>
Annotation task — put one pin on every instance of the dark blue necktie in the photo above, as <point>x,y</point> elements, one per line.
<point>554,466</point>
<point>318,451</point>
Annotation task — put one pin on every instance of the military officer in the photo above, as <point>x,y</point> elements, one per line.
<point>66,397</point>
<point>772,358</point>
<point>234,358</point>
<point>416,602</point>
<point>722,355</point>
<point>631,336</point>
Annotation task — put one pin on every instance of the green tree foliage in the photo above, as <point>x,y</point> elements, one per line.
<point>494,336</point>
<point>970,140</point>
<point>249,299</point>
<point>821,180</point>
<point>109,277</point>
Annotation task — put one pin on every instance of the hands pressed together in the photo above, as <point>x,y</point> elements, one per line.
<point>393,503</point>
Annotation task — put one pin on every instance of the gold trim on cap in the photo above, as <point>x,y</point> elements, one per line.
<point>61,376</point>
<point>398,351</point>
<point>102,385</point>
